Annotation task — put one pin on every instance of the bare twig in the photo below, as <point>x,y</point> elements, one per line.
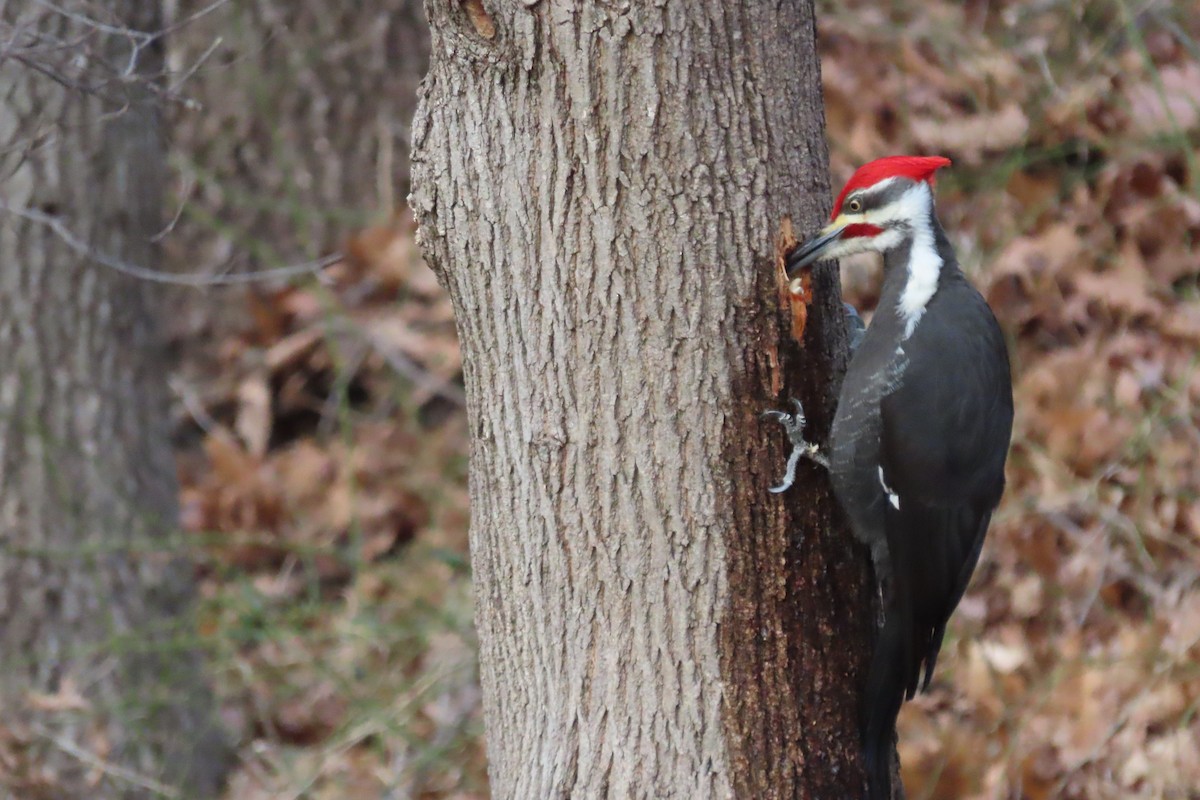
<point>188,20</point>
<point>198,280</point>
<point>68,62</point>
<point>112,770</point>
<point>186,75</point>
<point>404,365</point>
<point>188,184</point>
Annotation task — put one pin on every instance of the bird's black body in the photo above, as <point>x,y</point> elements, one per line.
<point>918,448</point>
<point>921,432</point>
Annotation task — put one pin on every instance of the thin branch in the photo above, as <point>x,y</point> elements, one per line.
<point>188,20</point>
<point>192,404</point>
<point>410,369</point>
<point>189,184</point>
<point>49,55</point>
<point>198,280</point>
<point>113,770</point>
<point>187,74</point>
<point>96,24</point>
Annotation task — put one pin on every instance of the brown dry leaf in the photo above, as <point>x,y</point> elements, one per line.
<point>1125,292</point>
<point>1175,110</point>
<point>1183,627</point>
<point>270,313</point>
<point>990,71</point>
<point>1024,279</point>
<point>1192,517</point>
<point>973,136</point>
<point>934,765</point>
<point>920,63</point>
<point>67,698</point>
<point>1176,759</point>
<point>369,247</point>
<point>279,585</point>
<point>979,682</point>
<point>389,522</point>
<point>253,423</point>
<point>1156,707</point>
<point>1182,322</point>
<point>1088,702</point>
<point>1135,769</point>
<point>240,496</point>
<point>306,471</point>
<point>310,717</point>
<point>1027,596</point>
<point>99,743</point>
<point>441,356</point>
<point>1162,228</point>
<point>290,352</point>
<point>398,263</point>
<point>388,254</point>
<point>1040,772</point>
<point>1085,437</point>
<point>1035,190</point>
<point>1128,390</point>
<point>231,466</point>
<point>863,139</point>
<point>1004,658</point>
<point>338,506</point>
<point>1070,112</point>
<point>301,305</point>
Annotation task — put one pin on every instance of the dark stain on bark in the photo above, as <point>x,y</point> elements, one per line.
<point>802,607</point>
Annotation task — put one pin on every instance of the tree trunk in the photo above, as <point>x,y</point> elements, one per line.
<point>100,685</point>
<point>599,185</point>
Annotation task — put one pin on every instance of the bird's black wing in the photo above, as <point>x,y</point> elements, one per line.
<point>946,432</point>
<point>946,428</point>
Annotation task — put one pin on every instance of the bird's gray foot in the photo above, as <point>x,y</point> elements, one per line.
<point>793,426</point>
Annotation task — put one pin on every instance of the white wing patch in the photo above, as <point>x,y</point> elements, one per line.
<point>893,498</point>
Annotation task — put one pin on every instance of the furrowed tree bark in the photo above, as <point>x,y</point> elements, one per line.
<point>101,692</point>
<point>599,185</point>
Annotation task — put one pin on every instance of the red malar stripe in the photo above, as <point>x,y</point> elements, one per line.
<point>861,229</point>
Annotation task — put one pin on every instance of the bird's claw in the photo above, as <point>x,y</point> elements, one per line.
<point>793,426</point>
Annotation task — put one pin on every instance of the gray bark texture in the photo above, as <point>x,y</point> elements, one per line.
<point>101,692</point>
<point>599,185</point>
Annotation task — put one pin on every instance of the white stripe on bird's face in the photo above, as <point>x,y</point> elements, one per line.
<point>907,218</point>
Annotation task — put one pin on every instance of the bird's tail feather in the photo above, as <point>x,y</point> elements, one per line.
<point>889,680</point>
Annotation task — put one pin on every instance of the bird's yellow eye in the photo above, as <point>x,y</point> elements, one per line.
<point>855,205</point>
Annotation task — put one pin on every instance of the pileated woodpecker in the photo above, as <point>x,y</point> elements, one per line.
<point>921,432</point>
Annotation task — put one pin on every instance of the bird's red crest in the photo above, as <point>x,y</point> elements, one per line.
<point>917,168</point>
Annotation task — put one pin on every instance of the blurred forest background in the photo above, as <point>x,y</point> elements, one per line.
<point>320,435</point>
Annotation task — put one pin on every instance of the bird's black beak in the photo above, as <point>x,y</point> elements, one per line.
<point>810,251</point>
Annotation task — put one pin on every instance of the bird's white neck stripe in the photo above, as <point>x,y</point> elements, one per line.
<point>924,263</point>
<point>924,268</point>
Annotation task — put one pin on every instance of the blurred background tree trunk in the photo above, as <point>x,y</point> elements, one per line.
<point>102,691</point>
<point>295,139</point>
<point>298,132</point>
<point>652,622</point>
